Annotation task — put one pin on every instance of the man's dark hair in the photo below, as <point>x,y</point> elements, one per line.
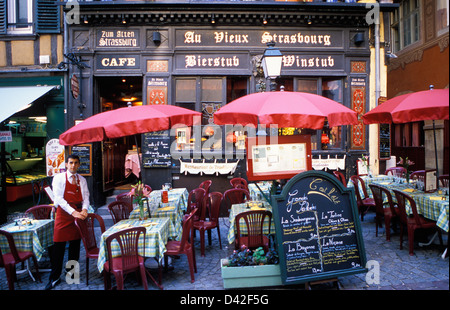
<point>73,157</point>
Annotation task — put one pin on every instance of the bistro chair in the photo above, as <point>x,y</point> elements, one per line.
<point>86,228</point>
<point>341,177</point>
<point>125,197</point>
<point>129,259</point>
<point>42,212</point>
<point>211,206</point>
<point>195,201</point>
<point>396,172</point>
<point>184,246</point>
<point>363,203</point>
<point>239,183</point>
<point>254,221</point>
<point>206,185</point>
<point>444,180</point>
<point>388,213</point>
<point>417,175</point>
<point>11,259</point>
<point>234,196</point>
<point>413,222</point>
<point>120,210</point>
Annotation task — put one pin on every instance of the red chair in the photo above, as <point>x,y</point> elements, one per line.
<point>86,228</point>
<point>239,183</point>
<point>211,206</point>
<point>120,210</point>
<point>255,238</point>
<point>396,171</point>
<point>42,212</point>
<point>412,223</point>
<point>206,185</point>
<point>388,213</point>
<point>234,196</point>
<point>195,200</point>
<point>11,259</point>
<point>125,197</point>
<point>129,259</point>
<point>184,246</point>
<point>341,177</point>
<point>363,203</point>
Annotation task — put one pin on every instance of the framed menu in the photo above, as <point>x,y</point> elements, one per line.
<point>318,231</point>
<point>430,180</point>
<point>84,152</point>
<point>279,157</point>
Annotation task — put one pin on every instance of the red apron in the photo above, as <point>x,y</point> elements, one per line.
<point>65,229</point>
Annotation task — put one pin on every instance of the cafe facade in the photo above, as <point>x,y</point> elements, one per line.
<point>202,55</point>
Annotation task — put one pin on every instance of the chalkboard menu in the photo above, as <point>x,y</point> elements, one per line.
<point>385,141</point>
<point>318,231</point>
<point>84,151</point>
<point>156,150</point>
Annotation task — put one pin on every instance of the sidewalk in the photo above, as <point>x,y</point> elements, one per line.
<point>426,270</point>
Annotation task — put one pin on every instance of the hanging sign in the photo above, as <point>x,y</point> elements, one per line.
<point>5,136</point>
<point>74,86</point>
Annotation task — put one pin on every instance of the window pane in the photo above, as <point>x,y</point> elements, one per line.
<point>307,86</point>
<point>22,12</point>
<point>441,14</point>
<point>332,89</point>
<point>185,91</point>
<point>212,90</point>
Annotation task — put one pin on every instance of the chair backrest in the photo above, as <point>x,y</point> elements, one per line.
<point>211,206</point>
<point>125,197</point>
<point>359,183</point>
<point>396,171</point>
<point>128,243</point>
<point>254,220</point>
<point>341,177</point>
<point>12,248</point>
<point>188,233</point>
<point>417,175</point>
<point>41,212</point>
<point>235,195</point>
<point>444,180</point>
<point>120,210</point>
<point>402,199</point>
<point>239,183</point>
<point>206,185</point>
<point>195,199</point>
<point>378,193</point>
<point>86,228</point>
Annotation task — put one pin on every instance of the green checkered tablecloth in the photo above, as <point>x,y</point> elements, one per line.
<point>255,193</point>
<point>432,206</point>
<point>158,232</point>
<point>242,207</point>
<point>36,237</point>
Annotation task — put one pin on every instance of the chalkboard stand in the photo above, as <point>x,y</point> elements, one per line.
<point>335,283</point>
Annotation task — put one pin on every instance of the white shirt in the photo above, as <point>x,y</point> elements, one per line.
<point>59,186</point>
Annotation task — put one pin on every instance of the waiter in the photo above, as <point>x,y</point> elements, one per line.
<point>71,197</point>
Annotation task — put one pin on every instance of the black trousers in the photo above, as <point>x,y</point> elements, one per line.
<point>57,251</point>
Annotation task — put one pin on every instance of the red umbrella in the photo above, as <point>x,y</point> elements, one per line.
<point>413,107</point>
<point>128,121</point>
<point>286,109</point>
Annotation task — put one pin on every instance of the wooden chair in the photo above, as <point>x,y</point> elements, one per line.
<point>120,210</point>
<point>234,196</point>
<point>239,183</point>
<point>444,180</point>
<point>412,223</point>
<point>211,206</point>
<point>86,228</point>
<point>388,213</point>
<point>42,212</point>
<point>341,177</point>
<point>396,171</point>
<point>206,185</point>
<point>129,259</point>
<point>363,203</point>
<point>11,259</point>
<point>254,238</point>
<point>184,246</point>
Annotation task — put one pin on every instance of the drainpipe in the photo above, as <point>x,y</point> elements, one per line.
<point>66,74</point>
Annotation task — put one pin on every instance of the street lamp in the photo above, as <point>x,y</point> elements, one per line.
<point>271,63</point>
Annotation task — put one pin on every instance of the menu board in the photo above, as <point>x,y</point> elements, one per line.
<point>54,157</point>
<point>84,152</point>
<point>156,150</point>
<point>385,141</point>
<point>318,230</point>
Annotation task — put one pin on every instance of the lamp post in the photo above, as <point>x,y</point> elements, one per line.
<point>271,63</point>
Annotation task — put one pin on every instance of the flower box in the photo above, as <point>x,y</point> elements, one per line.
<point>251,276</point>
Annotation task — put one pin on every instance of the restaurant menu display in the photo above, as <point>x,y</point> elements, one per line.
<point>84,152</point>
<point>318,230</point>
<point>156,150</point>
<point>55,157</point>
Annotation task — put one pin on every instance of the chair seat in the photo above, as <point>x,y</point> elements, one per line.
<point>23,255</point>
<point>93,253</point>
<point>244,240</point>
<point>368,202</point>
<point>424,223</point>
<point>204,225</point>
<point>117,261</point>
<point>173,247</point>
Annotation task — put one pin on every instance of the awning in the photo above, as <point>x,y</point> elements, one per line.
<point>17,98</point>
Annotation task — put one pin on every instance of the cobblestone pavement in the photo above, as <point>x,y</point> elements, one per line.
<point>425,270</point>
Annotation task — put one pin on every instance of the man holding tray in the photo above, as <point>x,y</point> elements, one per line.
<point>72,201</point>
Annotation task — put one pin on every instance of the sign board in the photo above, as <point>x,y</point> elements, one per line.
<point>75,86</point>
<point>156,150</point>
<point>317,228</point>
<point>55,157</point>
<point>280,159</point>
<point>5,136</point>
<point>385,136</point>
<point>84,151</point>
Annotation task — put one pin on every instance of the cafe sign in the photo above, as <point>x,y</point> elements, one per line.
<point>117,38</point>
<point>118,62</point>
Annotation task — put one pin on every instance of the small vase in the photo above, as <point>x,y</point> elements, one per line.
<point>142,215</point>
